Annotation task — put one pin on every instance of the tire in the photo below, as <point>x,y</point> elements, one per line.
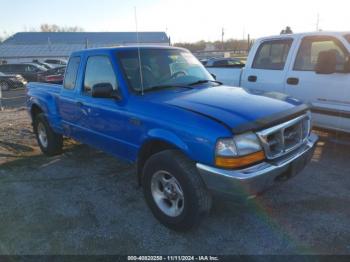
<point>4,86</point>
<point>194,202</point>
<point>50,142</point>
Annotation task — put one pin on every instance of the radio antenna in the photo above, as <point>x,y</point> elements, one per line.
<point>139,54</point>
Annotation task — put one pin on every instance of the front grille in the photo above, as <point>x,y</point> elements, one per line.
<point>286,137</point>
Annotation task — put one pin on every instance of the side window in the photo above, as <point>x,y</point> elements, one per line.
<point>220,63</point>
<point>310,48</point>
<point>20,68</point>
<point>30,68</point>
<point>99,70</point>
<point>272,55</point>
<point>70,77</point>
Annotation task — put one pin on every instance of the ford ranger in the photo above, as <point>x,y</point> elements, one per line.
<point>190,136</point>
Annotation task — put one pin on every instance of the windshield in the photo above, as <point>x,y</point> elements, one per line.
<point>162,67</point>
<point>347,37</point>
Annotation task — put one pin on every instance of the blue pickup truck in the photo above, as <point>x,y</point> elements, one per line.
<point>190,136</point>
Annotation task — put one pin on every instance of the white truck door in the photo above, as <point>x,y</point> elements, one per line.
<point>329,94</point>
<point>267,69</point>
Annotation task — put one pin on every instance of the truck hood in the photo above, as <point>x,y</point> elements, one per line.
<point>237,108</point>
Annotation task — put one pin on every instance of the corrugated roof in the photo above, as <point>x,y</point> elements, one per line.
<point>29,45</point>
<point>40,38</point>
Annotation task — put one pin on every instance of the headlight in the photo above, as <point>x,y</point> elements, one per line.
<point>226,147</point>
<point>241,150</point>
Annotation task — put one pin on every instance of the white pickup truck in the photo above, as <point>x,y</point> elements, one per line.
<point>314,67</point>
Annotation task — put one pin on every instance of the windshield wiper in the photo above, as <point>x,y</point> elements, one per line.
<point>205,81</point>
<point>160,87</point>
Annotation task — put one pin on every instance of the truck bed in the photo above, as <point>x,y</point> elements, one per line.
<point>46,96</point>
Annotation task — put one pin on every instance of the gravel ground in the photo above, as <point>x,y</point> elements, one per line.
<point>86,202</point>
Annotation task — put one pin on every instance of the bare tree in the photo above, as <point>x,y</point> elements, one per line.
<point>288,30</point>
<point>229,44</point>
<point>56,28</point>
<point>4,35</point>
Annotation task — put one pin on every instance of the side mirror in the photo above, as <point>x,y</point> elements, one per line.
<point>214,76</point>
<point>104,90</point>
<point>326,62</point>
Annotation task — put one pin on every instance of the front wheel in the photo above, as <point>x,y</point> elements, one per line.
<point>50,142</point>
<point>174,190</point>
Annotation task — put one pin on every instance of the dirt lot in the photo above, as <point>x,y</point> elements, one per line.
<point>85,202</point>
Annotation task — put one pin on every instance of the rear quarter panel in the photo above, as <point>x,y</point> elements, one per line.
<point>45,96</point>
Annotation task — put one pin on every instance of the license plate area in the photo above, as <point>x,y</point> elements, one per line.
<point>298,165</point>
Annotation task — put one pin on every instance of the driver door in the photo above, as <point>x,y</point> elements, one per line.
<point>102,122</point>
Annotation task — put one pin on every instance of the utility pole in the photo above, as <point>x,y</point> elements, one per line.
<point>222,38</point>
<point>318,22</point>
<point>248,44</point>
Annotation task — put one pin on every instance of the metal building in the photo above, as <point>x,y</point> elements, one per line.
<point>24,47</point>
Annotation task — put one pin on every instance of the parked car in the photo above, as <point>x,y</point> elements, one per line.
<point>314,67</point>
<point>189,135</point>
<point>224,62</point>
<point>43,64</point>
<point>8,82</point>
<point>56,62</point>
<point>53,76</point>
<point>29,71</point>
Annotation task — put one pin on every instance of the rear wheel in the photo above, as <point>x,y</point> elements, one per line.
<point>174,190</point>
<point>50,142</point>
<point>4,86</point>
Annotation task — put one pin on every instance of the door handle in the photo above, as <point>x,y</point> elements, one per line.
<point>293,81</point>
<point>80,104</point>
<point>252,78</point>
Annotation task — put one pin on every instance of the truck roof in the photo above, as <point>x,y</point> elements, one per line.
<point>121,48</point>
<point>299,35</point>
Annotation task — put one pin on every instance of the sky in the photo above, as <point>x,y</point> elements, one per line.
<point>183,20</point>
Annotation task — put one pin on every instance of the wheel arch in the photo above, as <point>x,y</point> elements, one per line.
<point>159,140</point>
<point>35,110</point>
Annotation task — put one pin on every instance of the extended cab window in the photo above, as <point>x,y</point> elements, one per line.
<point>70,77</point>
<point>99,70</point>
<point>310,48</point>
<point>272,55</point>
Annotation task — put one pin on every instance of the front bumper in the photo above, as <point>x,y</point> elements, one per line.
<point>256,179</point>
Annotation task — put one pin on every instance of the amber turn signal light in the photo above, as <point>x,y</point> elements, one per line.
<point>236,162</point>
